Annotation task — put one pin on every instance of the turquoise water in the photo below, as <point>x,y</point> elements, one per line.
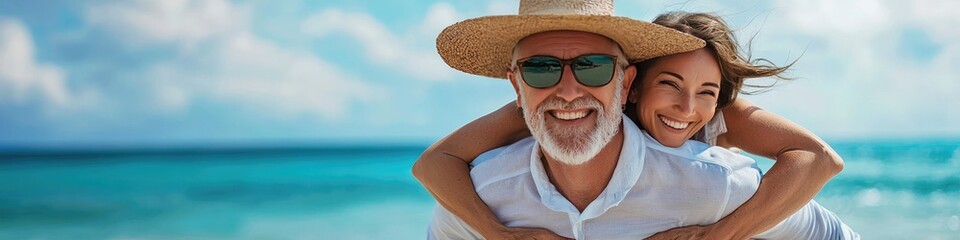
<point>886,191</point>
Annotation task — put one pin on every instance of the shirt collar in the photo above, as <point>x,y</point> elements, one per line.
<point>625,176</point>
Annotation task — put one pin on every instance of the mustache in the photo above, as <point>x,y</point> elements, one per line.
<point>556,103</point>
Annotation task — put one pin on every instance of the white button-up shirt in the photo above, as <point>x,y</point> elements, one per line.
<point>653,188</point>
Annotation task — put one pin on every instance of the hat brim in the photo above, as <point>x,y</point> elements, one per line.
<point>483,46</point>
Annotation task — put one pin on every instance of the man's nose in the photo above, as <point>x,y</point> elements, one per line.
<point>569,89</point>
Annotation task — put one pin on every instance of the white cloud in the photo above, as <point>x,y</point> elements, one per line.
<point>852,19</point>
<point>860,75</point>
<point>169,21</point>
<point>398,50</point>
<point>438,17</point>
<point>402,53</point>
<point>21,77</point>
<point>380,44</point>
<point>262,73</point>
<point>234,65</point>
<point>939,18</point>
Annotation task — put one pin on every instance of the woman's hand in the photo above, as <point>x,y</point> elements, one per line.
<point>528,234</point>
<point>688,232</point>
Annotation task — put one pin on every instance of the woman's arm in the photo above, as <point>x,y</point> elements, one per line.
<point>804,164</point>
<point>444,171</point>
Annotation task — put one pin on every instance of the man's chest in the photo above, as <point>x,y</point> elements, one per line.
<point>646,209</point>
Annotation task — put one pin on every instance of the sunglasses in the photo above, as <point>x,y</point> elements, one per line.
<point>592,70</point>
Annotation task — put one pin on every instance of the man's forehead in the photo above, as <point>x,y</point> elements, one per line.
<point>566,40</point>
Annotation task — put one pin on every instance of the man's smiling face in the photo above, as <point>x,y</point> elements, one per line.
<point>572,122</point>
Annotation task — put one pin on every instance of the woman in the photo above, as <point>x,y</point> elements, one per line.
<point>804,162</point>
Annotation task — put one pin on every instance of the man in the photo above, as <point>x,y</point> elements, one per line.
<point>589,174</point>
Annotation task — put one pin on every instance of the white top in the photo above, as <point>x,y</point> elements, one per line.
<point>712,129</point>
<point>653,188</point>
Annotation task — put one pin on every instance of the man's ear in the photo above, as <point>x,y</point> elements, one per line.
<point>629,74</point>
<point>516,88</point>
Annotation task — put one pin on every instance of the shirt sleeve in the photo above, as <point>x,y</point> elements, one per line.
<point>810,222</point>
<point>447,226</point>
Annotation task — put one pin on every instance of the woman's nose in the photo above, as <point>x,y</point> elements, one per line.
<point>686,103</point>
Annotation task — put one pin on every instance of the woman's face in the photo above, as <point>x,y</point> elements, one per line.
<point>678,96</point>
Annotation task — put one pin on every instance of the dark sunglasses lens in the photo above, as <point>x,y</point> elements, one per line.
<point>594,70</point>
<point>541,72</point>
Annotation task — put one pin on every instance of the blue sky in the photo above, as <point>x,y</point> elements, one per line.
<point>214,71</point>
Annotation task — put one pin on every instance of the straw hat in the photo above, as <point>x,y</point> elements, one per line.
<point>484,45</point>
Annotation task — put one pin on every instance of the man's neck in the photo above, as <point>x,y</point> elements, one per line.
<point>581,184</point>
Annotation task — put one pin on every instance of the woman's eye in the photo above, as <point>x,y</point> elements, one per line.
<point>709,93</point>
<point>670,83</point>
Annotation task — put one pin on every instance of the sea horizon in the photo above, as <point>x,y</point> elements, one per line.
<point>205,146</point>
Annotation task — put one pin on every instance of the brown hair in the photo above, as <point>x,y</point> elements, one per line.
<point>734,67</point>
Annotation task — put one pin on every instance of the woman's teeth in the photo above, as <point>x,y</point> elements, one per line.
<point>570,115</point>
<point>674,124</point>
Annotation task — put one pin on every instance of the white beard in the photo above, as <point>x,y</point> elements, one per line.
<point>575,146</point>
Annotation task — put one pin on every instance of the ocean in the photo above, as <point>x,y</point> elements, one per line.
<point>888,190</point>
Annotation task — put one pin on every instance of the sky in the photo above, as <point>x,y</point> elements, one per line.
<point>367,72</point>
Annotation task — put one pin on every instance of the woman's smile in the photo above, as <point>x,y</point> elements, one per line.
<point>676,125</point>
